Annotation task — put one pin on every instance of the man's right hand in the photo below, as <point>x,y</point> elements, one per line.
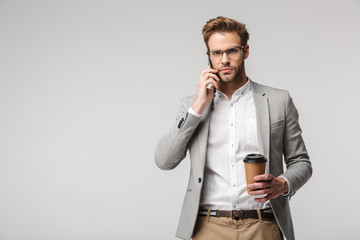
<point>203,94</point>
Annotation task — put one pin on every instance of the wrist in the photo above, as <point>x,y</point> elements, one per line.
<point>198,107</point>
<point>285,186</point>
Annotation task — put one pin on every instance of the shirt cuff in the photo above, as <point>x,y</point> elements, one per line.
<point>191,111</point>
<point>289,186</point>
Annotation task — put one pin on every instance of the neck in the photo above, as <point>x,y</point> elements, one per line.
<point>229,88</point>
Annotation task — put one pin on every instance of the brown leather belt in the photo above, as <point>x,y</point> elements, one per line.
<point>266,214</point>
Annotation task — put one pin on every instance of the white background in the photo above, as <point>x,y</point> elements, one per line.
<point>87,88</point>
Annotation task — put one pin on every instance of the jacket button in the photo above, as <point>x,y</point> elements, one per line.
<point>199,180</point>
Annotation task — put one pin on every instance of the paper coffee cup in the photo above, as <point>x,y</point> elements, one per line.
<point>254,165</point>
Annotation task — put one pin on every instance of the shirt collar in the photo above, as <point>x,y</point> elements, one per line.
<point>237,94</point>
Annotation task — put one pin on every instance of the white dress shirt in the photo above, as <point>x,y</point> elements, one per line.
<point>232,135</point>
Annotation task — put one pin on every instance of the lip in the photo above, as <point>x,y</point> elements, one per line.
<point>226,70</point>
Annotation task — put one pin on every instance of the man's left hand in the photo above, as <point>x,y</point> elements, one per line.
<point>269,185</point>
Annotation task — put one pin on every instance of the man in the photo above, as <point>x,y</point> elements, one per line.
<point>230,117</point>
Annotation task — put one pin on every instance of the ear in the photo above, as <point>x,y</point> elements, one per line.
<point>246,51</point>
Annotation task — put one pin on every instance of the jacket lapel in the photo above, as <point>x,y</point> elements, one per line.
<point>263,121</point>
<point>204,133</point>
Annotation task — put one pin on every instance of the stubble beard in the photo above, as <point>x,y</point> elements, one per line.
<point>237,75</point>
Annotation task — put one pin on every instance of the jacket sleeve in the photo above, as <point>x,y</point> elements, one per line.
<point>299,168</point>
<point>172,147</point>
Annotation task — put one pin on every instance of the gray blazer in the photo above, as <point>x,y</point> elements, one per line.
<point>279,135</point>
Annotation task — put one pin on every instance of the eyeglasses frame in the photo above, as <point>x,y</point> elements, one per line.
<point>225,51</point>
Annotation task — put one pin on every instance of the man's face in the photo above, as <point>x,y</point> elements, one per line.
<point>228,69</point>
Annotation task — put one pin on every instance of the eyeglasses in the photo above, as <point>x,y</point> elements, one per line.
<point>232,52</point>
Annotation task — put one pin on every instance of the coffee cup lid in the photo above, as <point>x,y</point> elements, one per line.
<point>255,158</point>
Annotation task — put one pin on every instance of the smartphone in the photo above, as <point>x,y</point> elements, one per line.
<point>210,64</point>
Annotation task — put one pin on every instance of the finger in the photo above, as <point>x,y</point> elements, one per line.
<point>264,177</point>
<point>210,75</point>
<point>213,75</point>
<point>214,82</point>
<point>264,199</point>
<point>258,192</point>
<point>209,70</point>
<point>258,185</point>
<point>207,82</point>
<point>211,88</point>
<point>212,70</point>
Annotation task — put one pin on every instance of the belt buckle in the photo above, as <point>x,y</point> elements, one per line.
<point>239,214</point>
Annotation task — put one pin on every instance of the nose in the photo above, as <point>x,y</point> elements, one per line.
<point>225,60</point>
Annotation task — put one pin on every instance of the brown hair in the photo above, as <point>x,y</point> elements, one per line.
<point>224,24</point>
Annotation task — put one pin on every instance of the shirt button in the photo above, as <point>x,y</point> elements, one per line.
<point>233,165</point>
<point>234,185</point>
<point>232,124</point>
<point>199,180</point>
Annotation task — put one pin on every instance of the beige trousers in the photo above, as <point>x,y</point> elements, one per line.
<point>223,228</point>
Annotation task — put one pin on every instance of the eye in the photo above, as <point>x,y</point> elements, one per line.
<point>216,52</point>
<point>232,50</point>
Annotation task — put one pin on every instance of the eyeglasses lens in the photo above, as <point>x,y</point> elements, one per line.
<point>233,53</point>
